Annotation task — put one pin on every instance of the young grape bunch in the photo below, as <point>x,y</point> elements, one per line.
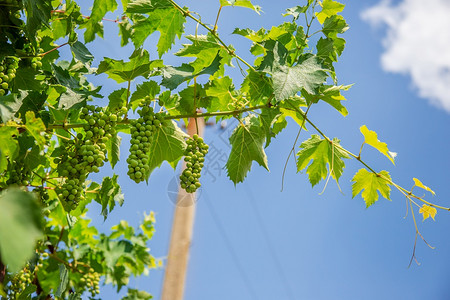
<point>194,157</point>
<point>142,131</point>
<point>86,154</point>
<point>8,69</point>
<point>90,282</point>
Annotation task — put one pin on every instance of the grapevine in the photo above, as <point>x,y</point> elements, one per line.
<point>57,129</point>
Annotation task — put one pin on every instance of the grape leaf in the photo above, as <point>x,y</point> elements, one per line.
<point>329,8</point>
<point>9,147</point>
<point>330,94</point>
<point>167,144</point>
<point>20,227</point>
<point>147,6</point>
<point>120,71</point>
<point>371,184</point>
<point>371,138</point>
<point>93,25</point>
<point>117,99</point>
<point>419,183</point>
<point>287,81</point>
<point>25,80</point>
<point>113,148</point>
<point>125,30</point>
<point>427,211</point>
<point>247,141</point>
<point>296,11</point>
<point>168,20</point>
<point>63,280</point>
<point>10,104</point>
<point>241,3</point>
<point>80,52</point>
<point>137,295</point>
<point>221,91</point>
<point>205,49</point>
<point>174,76</point>
<point>268,117</point>
<point>36,128</point>
<point>321,152</point>
<point>257,86</point>
<point>109,194</point>
<point>149,88</point>
<point>38,14</point>
<point>334,25</point>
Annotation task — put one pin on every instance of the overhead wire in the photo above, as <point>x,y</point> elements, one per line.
<point>229,246</point>
<point>261,225</point>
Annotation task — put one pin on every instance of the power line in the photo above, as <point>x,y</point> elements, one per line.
<point>273,254</point>
<point>230,248</point>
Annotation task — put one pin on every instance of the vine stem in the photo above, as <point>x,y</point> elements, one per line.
<point>398,187</point>
<point>293,148</point>
<point>217,18</point>
<point>51,50</point>
<point>175,117</point>
<point>212,31</point>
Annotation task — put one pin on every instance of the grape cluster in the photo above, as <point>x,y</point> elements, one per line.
<point>8,69</point>
<point>142,130</point>
<point>41,194</point>
<point>86,154</point>
<point>90,281</point>
<point>18,174</point>
<point>194,157</point>
<point>20,281</point>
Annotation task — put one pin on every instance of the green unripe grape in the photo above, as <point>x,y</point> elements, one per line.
<point>4,85</point>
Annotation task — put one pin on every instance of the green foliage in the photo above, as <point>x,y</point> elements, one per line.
<point>20,227</point>
<point>53,137</point>
<point>247,143</point>
<point>321,152</point>
<point>371,183</point>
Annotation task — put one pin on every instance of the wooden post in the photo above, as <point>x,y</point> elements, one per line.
<point>180,240</point>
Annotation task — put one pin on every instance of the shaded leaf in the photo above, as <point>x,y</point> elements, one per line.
<point>169,21</point>
<point>174,76</point>
<point>36,128</point>
<point>247,143</point>
<point>149,88</point>
<point>63,280</point>
<point>80,52</point>
<point>20,227</point>
<point>120,71</point>
<point>9,146</point>
<point>167,144</point>
<point>113,148</point>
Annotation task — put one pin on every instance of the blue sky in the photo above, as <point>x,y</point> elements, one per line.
<point>253,241</point>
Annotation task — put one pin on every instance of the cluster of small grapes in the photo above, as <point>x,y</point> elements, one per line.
<point>194,157</point>
<point>90,281</point>
<point>41,194</point>
<point>19,282</point>
<point>18,174</point>
<point>8,69</point>
<point>86,154</point>
<point>142,130</point>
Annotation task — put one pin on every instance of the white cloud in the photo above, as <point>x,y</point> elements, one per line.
<point>417,43</point>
